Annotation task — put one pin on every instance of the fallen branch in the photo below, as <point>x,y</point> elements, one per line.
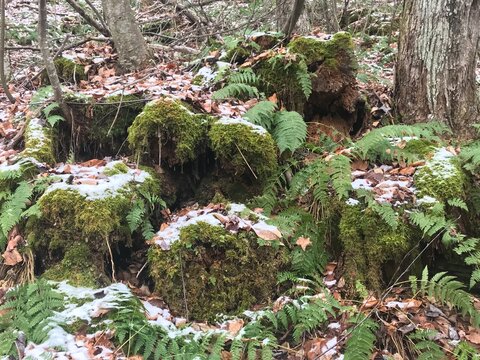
<point>179,48</point>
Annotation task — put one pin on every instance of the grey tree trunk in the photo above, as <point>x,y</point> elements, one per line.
<point>328,9</point>
<point>129,42</point>
<point>435,72</point>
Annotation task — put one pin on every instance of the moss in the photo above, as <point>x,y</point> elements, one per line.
<point>68,71</point>
<point>368,243</point>
<point>117,168</point>
<point>242,149</point>
<point>39,141</point>
<point>339,50</point>
<point>222,272</point>
<point>422,148</point>
<point>77,267</point>
<point>181,132</point>
<point>440,179</point>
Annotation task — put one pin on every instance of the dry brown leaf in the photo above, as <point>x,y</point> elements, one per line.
<point>409,170</point>
<point>473,337</point>
<point>234,326</point>
<point>12,257</point>
<point>359,165</point>
<point>267,232</point>
<point>303,242</point>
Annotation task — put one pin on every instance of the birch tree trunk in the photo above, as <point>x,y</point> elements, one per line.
<point>129,42</point>
<point>435,72</point>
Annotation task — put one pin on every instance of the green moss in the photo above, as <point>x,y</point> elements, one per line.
<point>39,141</point>
<point>222,272</point>
<point>77,267</point>
<point>68,71</point>
<point>241,149</point>
<point>441,179</point>
<point>368,243</point>
<point>117,168</point>
<point>333,52</point>
<point>422,148</point>
<point>181,132</point>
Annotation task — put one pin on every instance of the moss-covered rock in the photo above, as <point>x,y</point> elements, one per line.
<point>168,124</point>
<point>243,148</point>
<point>336,52</point>
<point>39,141</point>
<point>368,243</point>
<point>86,209</point>
<point>441,177</point>
<point>68,71</point>
<point>79,267</point>
<point>210,270</point>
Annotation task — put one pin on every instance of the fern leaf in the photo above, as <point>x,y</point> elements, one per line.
<point>235,91</point>
<point>341,175</point>
<point>262,114</point>
<point>456,202</point>
<point>290,130</point>
<point>13,208</point>
<point>362,339</point>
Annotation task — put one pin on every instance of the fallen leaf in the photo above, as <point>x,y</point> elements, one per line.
<point>266,232</point>
<point>234,326</point>
<point>12,257</point>
<point>359,165</point>
<point>473,337</point>
<point>409,170</point>
<point>303,242</point>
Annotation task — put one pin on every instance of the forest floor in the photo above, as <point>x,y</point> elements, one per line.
<point>398,310</point>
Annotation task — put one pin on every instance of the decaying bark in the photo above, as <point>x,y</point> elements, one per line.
<point>435,73</point>
<point>129,42</point>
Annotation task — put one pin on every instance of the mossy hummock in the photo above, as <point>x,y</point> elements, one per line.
<point>86,210</point>
<point>441,177</point>
<point>39,141</point>
<point>68,71</point>
<point>209,270</point>
<point>368,243</point>
<point>167,131</point>
<point>243,148</point>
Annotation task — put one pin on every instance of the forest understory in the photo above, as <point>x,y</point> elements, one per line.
<point>243,195</point>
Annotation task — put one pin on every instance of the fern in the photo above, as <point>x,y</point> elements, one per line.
<point>12,209</point>
<point>459,203</point>
<point>290,130</point>
<point>262,114</point>
<point>304,79</point>
<point>361,340</point>
<point>425,346</point>
<point>386,213</point>
<point>446,290</point>
<point>27,309</point>
<point>236,90</point>
<point>341,175</point>
<point>465,351</point>
<point>245,76</point>
<point>135,215</point>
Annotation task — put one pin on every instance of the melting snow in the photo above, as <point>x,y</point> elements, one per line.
<point>238,120</point>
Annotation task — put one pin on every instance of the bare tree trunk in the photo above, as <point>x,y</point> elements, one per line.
<point>329,14</point>
<point>99,26</point>
<point>435,72</point>
<point>48,60</point>
<point>3,78</point>
<point>295,13</point>
<point>129,42</point>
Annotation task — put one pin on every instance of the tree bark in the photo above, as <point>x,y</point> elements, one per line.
<point>48,60</point>
<point>3,78</point>
<point>329,14</point>
<point>435,72</point>
<point>295,12</point>
<point>129,42</point>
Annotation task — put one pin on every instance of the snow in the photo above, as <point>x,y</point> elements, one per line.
<point>238,120</point>
<point>352,202</point>
<point>426,200</point>
<point>167,236</point>
<point>361,184</point>
<point>106,186</point>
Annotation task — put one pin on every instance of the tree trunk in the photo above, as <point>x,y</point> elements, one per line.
<point>328,9</point>
<point>129,42</point>
<point>294,14</point>
<point>435,72</point>
<point>3,77</point>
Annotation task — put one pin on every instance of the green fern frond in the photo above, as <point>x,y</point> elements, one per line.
<point>13,208</point>
<point>304,79</point>
<point>290,130</point>
<point>386,213</point>
<point>456,202</point>
<point>425,346</point>
<point>361,340</point>
<point>136,215</point>
<point>262,114</point>
<point>341,175</point>
<point>245,76</point>
<point>235,90</point>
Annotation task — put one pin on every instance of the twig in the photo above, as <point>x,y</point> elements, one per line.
<point>246,162</point>
<point>184,289</point>
<point>179,48</point>
<point>111,258</point>
<point>17,137</point>
<point>116,115</point>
